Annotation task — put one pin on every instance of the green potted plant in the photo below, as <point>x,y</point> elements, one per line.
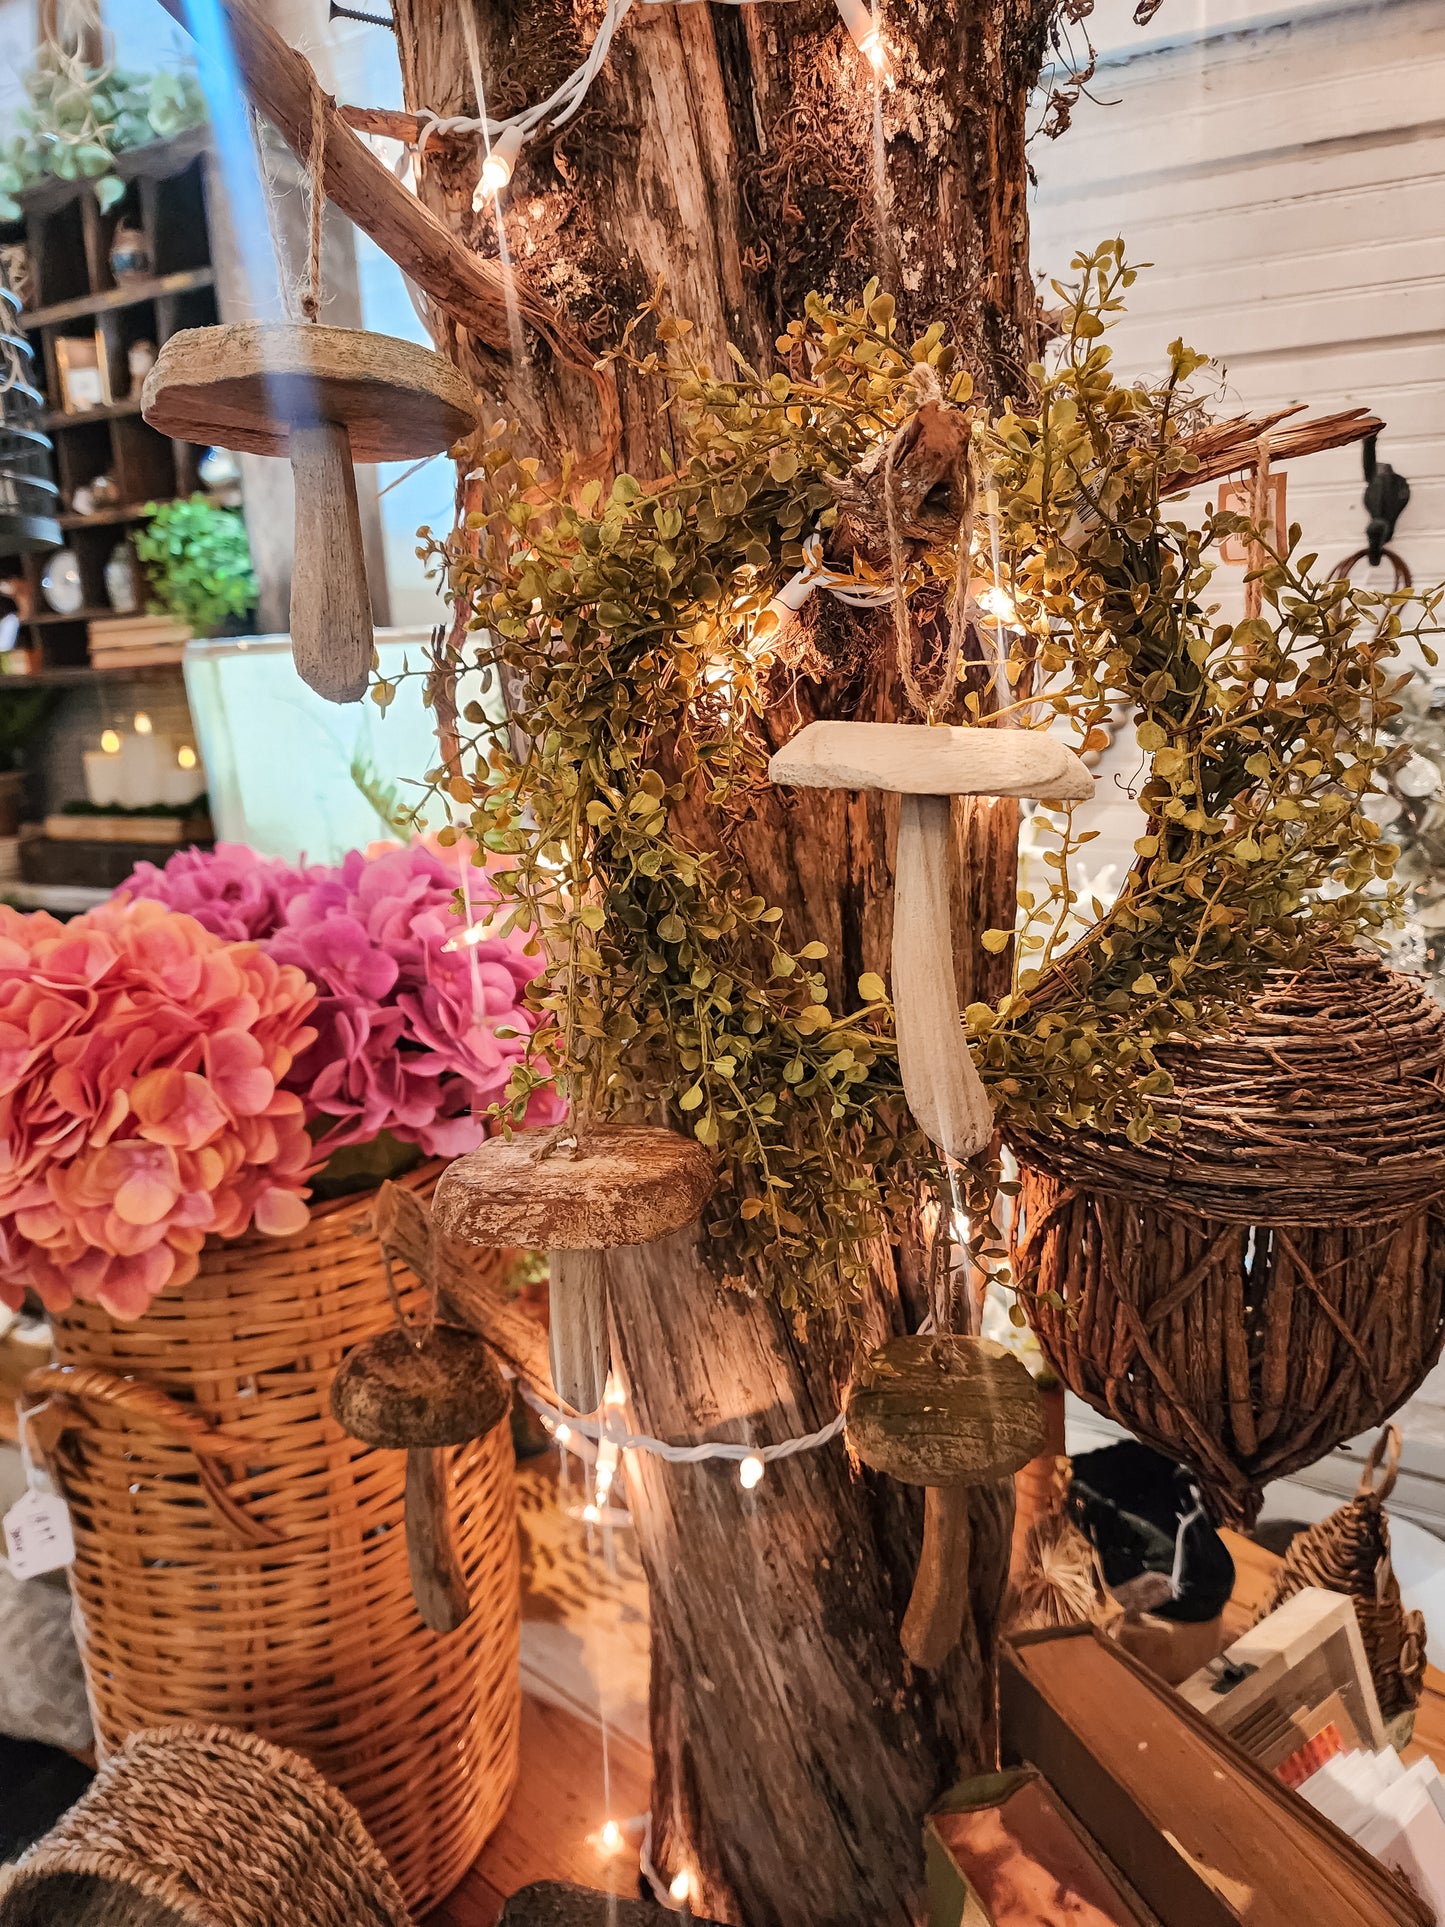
<point>78,118</point>
<point>198,564</point>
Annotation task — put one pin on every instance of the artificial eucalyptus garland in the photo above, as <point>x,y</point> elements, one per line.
<point>636,637</point>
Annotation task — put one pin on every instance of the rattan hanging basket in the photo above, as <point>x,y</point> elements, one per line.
<point>1271,1280</point>
<point>239,1559</point>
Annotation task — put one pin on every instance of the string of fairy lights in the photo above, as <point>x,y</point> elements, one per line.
<point>600,1441</point>
<point>505,138</point>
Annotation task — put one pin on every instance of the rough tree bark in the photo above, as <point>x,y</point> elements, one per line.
<point>730,150</point>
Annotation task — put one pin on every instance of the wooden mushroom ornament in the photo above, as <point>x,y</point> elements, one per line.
<point>576,1199</point>
<point>327,397</point>
<point>927,765</point>
<point>945,1412</point>
<point>420,1395</point>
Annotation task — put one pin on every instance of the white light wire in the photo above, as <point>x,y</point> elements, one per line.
<point>564,100</point>
<point>617,1433</point>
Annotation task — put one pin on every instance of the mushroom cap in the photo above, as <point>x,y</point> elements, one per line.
<point>445,1391</point>
<point>626,1185</point>
<point>248,384</point>
<point>945,1410</point>
<point>916,759</point>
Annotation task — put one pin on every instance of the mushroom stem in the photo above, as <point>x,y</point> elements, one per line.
<point>579,1345</point>
<point>942,1085</point>
<point>332,636</point>
<point>933,1623</point>
<point>438,1584</point>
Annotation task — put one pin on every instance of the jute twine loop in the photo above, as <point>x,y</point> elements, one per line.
<point>1349,1552</point>
<point>223,1828</point>
<point>316,199</point>
<point>1259,511</point>
<point>927,388</point>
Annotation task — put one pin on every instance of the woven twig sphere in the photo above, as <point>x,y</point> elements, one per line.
<point>1324,1104</point>
<point>1244,1294</point>
<point>220,1828</point>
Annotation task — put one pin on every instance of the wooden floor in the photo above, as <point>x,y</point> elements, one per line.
<point>552,1829</point>
<point>568,1787</point>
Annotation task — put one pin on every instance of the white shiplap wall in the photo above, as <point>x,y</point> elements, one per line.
<point>1286,177</point>
<point>1285,174</point>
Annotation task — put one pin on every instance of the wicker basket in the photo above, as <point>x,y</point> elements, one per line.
<point>240,1559</point>
<point>1271,1280</point>
<point>200,1826</point>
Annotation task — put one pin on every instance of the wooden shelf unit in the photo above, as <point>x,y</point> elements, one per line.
<point>75,295</point>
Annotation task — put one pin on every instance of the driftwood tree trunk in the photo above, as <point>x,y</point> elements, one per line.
<point>730,150</point>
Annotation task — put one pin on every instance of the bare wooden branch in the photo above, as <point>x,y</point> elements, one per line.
<point>1230,447</point>
<point>389,122</point>
<point>284,87</point>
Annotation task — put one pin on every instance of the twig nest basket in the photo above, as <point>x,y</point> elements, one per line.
<point>1349,1552</point>
<point>1247,1292</point>
<point>209,1827</point>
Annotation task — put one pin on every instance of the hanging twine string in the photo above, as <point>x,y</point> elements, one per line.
<point>928,389</point>
<point>316,199</point>
<point>1259,510</point>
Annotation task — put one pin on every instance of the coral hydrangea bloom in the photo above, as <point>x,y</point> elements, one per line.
<point>143,1061</point>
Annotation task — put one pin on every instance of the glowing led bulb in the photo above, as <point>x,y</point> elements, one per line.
<point>110,742</point>
<point>680,1886</point>
<point>142,723</point>
<point>591,1514</point>
<point>186,756</point>
<point>864,29</point>
<point>750,1472</point>
<point>562,1434</point>
<point>497,167</point>
<point>610,1837</point>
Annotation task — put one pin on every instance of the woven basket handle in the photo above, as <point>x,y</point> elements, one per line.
<point>151,1409</point>
<point>1389,1445</point>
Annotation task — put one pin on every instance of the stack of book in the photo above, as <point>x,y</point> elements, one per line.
<point>1395,1812</point>
<point>136,642</point>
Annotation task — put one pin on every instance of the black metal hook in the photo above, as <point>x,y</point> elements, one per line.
<point>1385,498</point>
<point>366,19</point>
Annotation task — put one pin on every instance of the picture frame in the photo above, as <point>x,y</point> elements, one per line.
<point>80,368</point>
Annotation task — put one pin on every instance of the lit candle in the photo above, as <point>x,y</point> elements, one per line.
<point>102,772</point>
<point>145,760</point>
<point>185,780</point>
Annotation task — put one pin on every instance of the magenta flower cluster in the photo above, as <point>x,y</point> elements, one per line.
<point>419,1015</point>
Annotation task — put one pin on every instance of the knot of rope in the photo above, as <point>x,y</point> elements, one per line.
<point>928,389</point>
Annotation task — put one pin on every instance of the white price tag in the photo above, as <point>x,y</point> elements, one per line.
<point>38,1537</point>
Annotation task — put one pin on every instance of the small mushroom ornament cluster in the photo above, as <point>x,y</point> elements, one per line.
<point>945,1411</point>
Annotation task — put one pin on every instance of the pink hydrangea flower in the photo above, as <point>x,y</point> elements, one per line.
<point>142,1103</point>
<point>230,890</point>
<point>420,1015</point>
<point>417,1024</point>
